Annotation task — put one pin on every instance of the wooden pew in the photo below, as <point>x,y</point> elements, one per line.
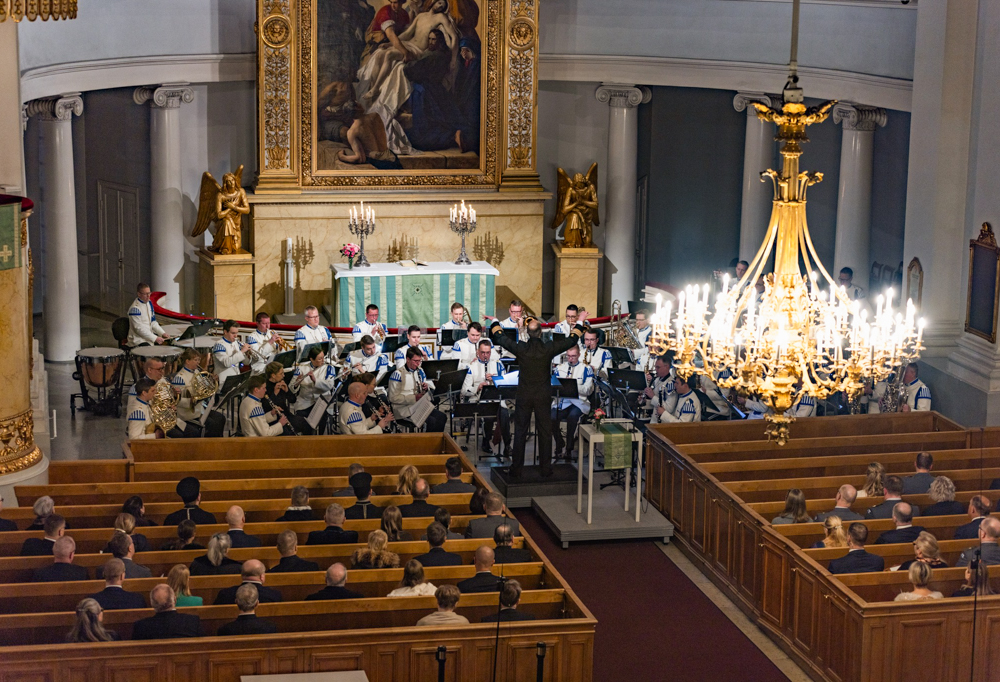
<point>941,527</point>
<point>303,466</point>
<point>816,505</point>
<point>876,587</point>
<point>894,554</point>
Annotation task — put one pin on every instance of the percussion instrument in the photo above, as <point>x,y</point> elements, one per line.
<point>169,355</point>
<point>102,370</point>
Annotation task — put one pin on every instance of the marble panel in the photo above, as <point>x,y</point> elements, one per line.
<point>227,286</point>
<point>576,278</point>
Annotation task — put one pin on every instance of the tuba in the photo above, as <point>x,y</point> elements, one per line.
<point>621,334</point>
<point>162,409</point>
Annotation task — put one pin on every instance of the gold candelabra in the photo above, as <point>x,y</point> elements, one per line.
<point>489,248</point>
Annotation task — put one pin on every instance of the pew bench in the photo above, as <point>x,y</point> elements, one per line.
<point>893,554</point>
<point>278,468</point>
<point>769,510</point>
<point>941,527</point>
<point>876,587</point>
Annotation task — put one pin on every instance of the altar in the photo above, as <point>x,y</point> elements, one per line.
<point>420,295</point>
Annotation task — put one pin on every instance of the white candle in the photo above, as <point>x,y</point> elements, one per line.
<point>288,247</point>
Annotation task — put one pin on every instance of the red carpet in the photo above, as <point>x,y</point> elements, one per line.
<point>654,623</point>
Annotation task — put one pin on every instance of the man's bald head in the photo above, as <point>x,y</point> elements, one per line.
<point>162,598</point>
<point>534,328</point>
<point>336,575</point>
<point>253,570</point>
<point>484,558</point>
<point>848,493</point>
<point>63,549</point>
<point>357,391</point>
<point>235,517</point>
<point>420,489</point>
<point>902,513</point>
<point>990,529</point>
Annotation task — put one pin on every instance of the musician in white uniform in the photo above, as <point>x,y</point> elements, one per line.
<point>138,414</point>
<point>311,332</point>
<point>153,370</point>
<point>465,350</point>
<point>264,342</point>
<point>846,280</point>
<point>192,413</point>
<point>644,331</point>
<point>143,329</point>
<point>228,353</point>
<point>311,381</point>
<point>565,327</point>
<point>408,384</point>
<point>254,421</point>
<point>688,407</point>
<point>456,322</point>
<point>598,358</point>
<point>571,409</point>
<point>367,326</point>
<point>352,416</point>
<point>412,341</point>
<point>918,395</point>
<point>367,358</point>
<point>805,406</point>
<point>483,372</point>
<point>660,393</point>
<point>711,389</point>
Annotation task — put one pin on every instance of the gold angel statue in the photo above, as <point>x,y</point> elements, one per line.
<point>578,207</point>
<point>225,205</point>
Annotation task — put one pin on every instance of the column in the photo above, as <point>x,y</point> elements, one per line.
<point>622,177</point>
<point>167,239</point>
<point>62,280</point>
<point>758,156</point>
<point>854,195</point>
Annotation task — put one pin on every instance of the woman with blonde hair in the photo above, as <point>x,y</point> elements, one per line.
<point>836,536</point>
<point>413,583</point>
<point>375,555</point>
<point>89,624</point>
<point>942,491</point>
<point>392,524</point>
<point>408,476</point>
<point>178,579</point>
<point>215,561</point>
<point>125,524</point>
<point>976,581</point>
<point>43,507</point>
<point>874,481</point>
<point>920,576</point>
<point>795,509</point>
<point>925,550</point>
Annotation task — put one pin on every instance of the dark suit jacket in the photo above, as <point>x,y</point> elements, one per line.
<point>507,615</point>
<point>899,535</point>
<point>265,594</point>
<point>196,514</point>
<point>241,539</point>
<point>248,624</point>
<point>55,573</point>
<point>332,535</point>
<point>509,555</point>
<point>534,356</point>
<point>167,625</point>
<point>857,561</point>
<point>132,570</point>
<point>884,510</point>
<point>202,566</point>
<point>295,515</point>
<point>111,598</point>
<point>417,508</point>
<point>484,527</point>
<point>917,484</point>
<point>7,526</point>
<point>138,539</point>
<point>969,531</point>
<point>453,486</point>
<point>945,509</point>
<point>439,557</point>
<point>329,592</point>
<point>37,547</point>
<point>363,510</point>
<point>844,514</point>
<point>480,582</point>
<point>990,555</point>
<point>293,564</point>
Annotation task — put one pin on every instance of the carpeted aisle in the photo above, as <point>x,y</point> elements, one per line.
<point>654,623</point>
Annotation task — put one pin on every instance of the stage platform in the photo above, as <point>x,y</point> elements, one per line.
<point>611,521</point>
<point>520,492</point>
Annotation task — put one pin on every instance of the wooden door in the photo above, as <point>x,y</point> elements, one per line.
<point>118,212</point>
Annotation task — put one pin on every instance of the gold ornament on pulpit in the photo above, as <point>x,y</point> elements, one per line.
<point>578,208</point>
<point>225,205</point>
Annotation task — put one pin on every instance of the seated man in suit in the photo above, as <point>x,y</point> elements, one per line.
<point>920,482</point>
<point>447,597</point>
<point>979,509</point>
<point>893,495</point>
<point>510,597</point>
<point>62,567</point>
<point>114,596</point>
<point>419,507</point>
<point>454,484</point>
<point>495,515</point>
<point>334,533</point>
<point>253,575</point>
<point>364,508</point>
<point>236,520</point>
<point>505,552</point>
<point>988,550</point>
<point>122,547</point>
<point>857,560</point>
<point>354,468</point>
<point>336,579</point>
<point>189,490</point>
<point>842,505</point>
<point>443,516</point>
<point>167,622</point>
<point>290,562</point>
<point>247,623</point>
<point>54,528</point>
<point>437,556</point>
<point>905,531</point>
<point>483,580</point>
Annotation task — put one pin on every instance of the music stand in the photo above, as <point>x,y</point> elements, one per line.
<point>349,347</point>
<point>392,343</point>
<point>234,387</point>
<point>620,356</point>
<point>304,355</point>
<point>510,334</point>
<point>475,412</point>
<point>627,379</point>
<point>449,382</point>
<point>438,368</point>
<point>286,358</point>
<point>450,336</point>
<point>558,336</point>
<point>565,388</point>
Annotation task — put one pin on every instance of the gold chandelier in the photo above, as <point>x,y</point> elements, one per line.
<point>797,339</point>
<point>37,9</point>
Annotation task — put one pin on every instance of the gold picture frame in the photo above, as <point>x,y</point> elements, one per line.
<point>984,285</point>
<point>915,282</point>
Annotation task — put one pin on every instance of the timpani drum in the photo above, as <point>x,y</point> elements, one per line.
<point>100,372</point>
<point>169,355</point>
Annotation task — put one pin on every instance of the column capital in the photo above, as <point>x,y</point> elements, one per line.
<point>61,108</point>
<point>743,100</point>
<point>166,96</point>
<point>622,96</point>
<point>859,117</point>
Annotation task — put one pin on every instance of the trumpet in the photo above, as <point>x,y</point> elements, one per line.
<point>466,320</point>
<point>378,334</point>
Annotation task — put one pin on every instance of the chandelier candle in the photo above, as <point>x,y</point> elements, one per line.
<point>361,224</point>
<point>463,222</point>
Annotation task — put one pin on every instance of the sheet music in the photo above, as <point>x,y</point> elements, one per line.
<point>421,410</point>
<point>316,413</point>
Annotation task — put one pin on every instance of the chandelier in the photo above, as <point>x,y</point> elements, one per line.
<point>37,9</point>
<point>803,335</point>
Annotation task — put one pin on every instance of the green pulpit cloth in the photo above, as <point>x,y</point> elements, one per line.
<point>617,446</point>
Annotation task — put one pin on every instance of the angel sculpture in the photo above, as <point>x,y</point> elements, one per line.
<point>578,208</point>
<point>225,205</point>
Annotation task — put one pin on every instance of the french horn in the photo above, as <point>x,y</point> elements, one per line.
<point>162,409</point>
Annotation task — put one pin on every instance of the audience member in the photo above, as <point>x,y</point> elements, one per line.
<point>375,555</point>
<point>925,549</point>
<point>942,491</point>
<point>6,525</point>
<point>236,519</point>
<point>392,524</point>
<point>504,553</point>
<point>413,583</point>
<point>54,528</point>
<point>483,580</point>
<point>89,625</point>
<point>443,516</point>
<point>447,598</point>
<point>843,500</point>
<point>408,476</point>
<point>874,482</point>
<point>299,509</point>
<point>186,531</point>
<point>510,597</point>
<point>290,562</point>
<point>496,513</point>
<point>920,482</point>
<point>477,505</point>
<point>336,579</point>
<point>215,561</point>
<point>795,509</point>
<point>363,508</point>
<point>987,552</point>
<point>920,576</point>
<point>453,468</point>
<point>905,531</point>
<point>419,507</point>
<point>125,523</point>
<point>122,547</point>
<point>167,622</point>
<point>893,495</point>
<point>354,468</point>
<point>253,575</point>
<point>977,582</point>
<point>246,599</point>
<point>437,556</point>
<point>979,509</point>
<point>836,536</point>
<point>857,559</point>
<point>62,568</point>
<point>179,580</point>
<point>114,596</point>
<point>189,490</point>
<point>334,533</point>
<point>43,507</point>
<point>137,509</point>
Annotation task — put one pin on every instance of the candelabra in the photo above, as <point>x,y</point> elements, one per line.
<point>463,222</point>
<point>362,225</point>
<point>404,248</point>
<point>488,248</point>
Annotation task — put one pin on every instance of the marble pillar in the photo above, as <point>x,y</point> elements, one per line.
<point>62,279</point>
<point>758,156</point>
<point>167,241</point>
<point>621,177</point>
<point>854,195</point>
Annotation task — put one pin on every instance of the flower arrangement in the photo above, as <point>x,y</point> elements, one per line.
<point>349,251</point>
<point>599,416</point>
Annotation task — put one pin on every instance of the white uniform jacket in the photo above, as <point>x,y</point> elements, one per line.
<point>306,335</point>
<point>584,376</point>
<point>226,359</point>
<point>142,324</point>
<point>254,421</point>
<point>264,347</point>
<point>714,393</point>
<point>399,358</point>
<point>688,409</point>
<point>465,352</point>
<point>664,396</point>
<point>138,418</point>
<point>365,328</point>
<point>376,363</point>
<point>309,388</point>
<point>477,373</point>
<point>600,360</point>
<point>353,420</point>
<point>403,388</point>
<point>185,409</point>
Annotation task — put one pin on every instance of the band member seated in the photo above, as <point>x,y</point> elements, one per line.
<point>718,397</point>
<point>465,350</point>
<point>279,396</point>
<point>571,409</point>
<point>644,331</point>
<point>311,332</point>
<point>688,407</point>
<point>143,329</point>
<point>412,341</point>
<point>483,372</point>
<point>456,322</point>
<point>373,404</point>
<point>367,358</point>
<point>153,369</point>
<point>228,353</point>
<point>599,359</point>
<point>566,326</point>
<point>140,426</point>
<point>254,420</point>
<point>917,395</point>
<point>188,410</point>
<point>352,416</point>
<point>312,380</point>
<point>660,394</point>
<point>264,343</point>
<point>408,384</point>
<point>515,320</point>
<point>369,325</point>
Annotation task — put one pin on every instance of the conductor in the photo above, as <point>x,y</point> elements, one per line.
<point>534,391</point>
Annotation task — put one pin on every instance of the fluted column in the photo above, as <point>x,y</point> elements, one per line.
<point>854,195</point>
<point>62,279</point>
<point>621,178</point>
<point>758,156</point>
<point>165,197</point>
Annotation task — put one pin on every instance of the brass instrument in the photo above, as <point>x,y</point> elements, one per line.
<point>162,409</point>
<point>254,356</point>
<point>895,393</point>
<point>378,334</point>
<point>466,320</point>
<point>281,344</point>
<point>621,334</point>
<point>587,355</point>
<point>854,399</point>
<point>203,386</point>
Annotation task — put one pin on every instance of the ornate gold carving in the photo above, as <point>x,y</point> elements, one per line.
<point>577,207</point>
<point>276,89</point>
<point>277,31</point>
<point>986,237</point>
<point>521,33</point>
<point>521,82</point>
<point>225,205</point>
<point>16,436</point>
<point>37,9</point>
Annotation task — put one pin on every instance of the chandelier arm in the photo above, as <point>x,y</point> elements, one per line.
<point>842,295</point>
<point>756,266</point>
